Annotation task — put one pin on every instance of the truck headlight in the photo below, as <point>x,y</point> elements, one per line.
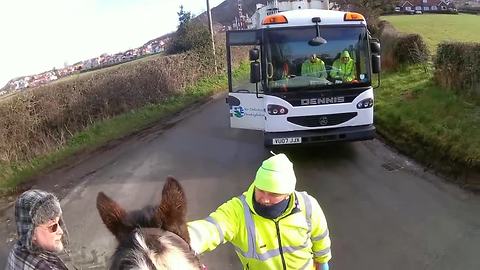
<point>366,103</point>
<point>276,109</point>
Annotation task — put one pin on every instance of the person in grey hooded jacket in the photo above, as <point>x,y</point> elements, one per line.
<point>41,232</point>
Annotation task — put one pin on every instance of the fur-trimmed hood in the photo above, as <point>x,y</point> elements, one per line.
<point>32,208</point>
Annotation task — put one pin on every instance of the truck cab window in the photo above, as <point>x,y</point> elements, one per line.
<point>292,64</point>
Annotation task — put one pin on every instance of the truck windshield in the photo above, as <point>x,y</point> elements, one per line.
<point>292,64</point>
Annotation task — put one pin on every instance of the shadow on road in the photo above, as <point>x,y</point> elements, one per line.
<point>327,154</point>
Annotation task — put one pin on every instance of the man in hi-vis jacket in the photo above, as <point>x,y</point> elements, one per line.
<point>271,225</point>
<point>344,68</point>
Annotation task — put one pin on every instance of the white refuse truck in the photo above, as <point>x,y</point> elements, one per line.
<point>310,75</point>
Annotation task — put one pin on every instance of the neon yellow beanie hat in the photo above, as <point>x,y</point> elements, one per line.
<point>276,175</point>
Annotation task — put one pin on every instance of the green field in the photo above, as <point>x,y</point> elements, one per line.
<point>435,125</point>
<point>436,28</point>
<point>432,124</point>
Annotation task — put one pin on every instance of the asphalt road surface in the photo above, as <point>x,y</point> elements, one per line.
<point>384,211</point>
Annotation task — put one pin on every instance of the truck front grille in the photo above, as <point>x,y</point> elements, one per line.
<point>324,120</point>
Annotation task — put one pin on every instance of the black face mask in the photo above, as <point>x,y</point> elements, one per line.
<point>271,211</point>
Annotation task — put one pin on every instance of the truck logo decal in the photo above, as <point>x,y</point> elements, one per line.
<point>320,101</point>
<point>323,121</point>
<point>238,111</point>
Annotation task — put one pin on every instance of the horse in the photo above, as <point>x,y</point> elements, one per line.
<point>155,237</point>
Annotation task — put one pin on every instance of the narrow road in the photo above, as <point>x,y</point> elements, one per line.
<point>384,212</point>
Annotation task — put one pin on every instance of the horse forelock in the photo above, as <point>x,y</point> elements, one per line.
<point>132,253</point>
<point>175,256</point>
<point>152,251</point>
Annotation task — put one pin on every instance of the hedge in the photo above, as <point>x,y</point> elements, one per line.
<point>457,67</point>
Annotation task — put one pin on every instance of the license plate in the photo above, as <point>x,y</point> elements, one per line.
<point>292,140</point>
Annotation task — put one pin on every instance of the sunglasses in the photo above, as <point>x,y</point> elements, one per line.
<point>53,228</point>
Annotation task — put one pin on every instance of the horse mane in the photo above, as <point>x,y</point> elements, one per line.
<point>155,237</point>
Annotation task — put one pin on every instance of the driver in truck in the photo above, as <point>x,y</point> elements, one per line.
<point>314,67</point>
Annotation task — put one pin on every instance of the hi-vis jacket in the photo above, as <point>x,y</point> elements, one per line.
<point>292,241</point>
<point>315,69</point>
<point>343,71</point>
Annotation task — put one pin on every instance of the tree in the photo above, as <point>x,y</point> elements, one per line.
<point>371,9</point>
<point>190,35</point>
<point>184,17</point>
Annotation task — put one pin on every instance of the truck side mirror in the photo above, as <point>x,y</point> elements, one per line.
<point>375,47</point>
<point>376,63</point>
<point>255,75</point>
<point>254,54</point>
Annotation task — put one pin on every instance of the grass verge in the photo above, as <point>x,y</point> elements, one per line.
<point>434,125</point>
<point>12,175</point>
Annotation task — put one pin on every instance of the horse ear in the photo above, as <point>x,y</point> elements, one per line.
<point>172,211</point>
<point>112,215</point>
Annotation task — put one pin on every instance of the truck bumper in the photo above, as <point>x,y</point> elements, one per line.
<point>359,133</point>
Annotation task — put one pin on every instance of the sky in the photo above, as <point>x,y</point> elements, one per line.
<point>37,35</point>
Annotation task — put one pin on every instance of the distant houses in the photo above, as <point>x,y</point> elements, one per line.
<point>420,6</point>
<point>151,47</point>
<point>30,81</point>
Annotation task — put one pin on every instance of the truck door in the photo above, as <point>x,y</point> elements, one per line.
<point>245,99</point>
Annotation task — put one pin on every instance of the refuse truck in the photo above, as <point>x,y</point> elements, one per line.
<point>311,73</point>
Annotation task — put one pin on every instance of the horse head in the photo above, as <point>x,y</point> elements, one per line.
<point>155,237</point>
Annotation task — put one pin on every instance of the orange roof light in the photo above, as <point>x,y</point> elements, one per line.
<point>274,19</point>
<point>352,16</point>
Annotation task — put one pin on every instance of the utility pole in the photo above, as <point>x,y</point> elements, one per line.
<point>210,27</point>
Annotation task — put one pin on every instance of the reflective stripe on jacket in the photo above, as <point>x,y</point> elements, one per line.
<point>292,241</point>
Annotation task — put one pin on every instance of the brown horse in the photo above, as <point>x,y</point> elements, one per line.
<point>155,237</point>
